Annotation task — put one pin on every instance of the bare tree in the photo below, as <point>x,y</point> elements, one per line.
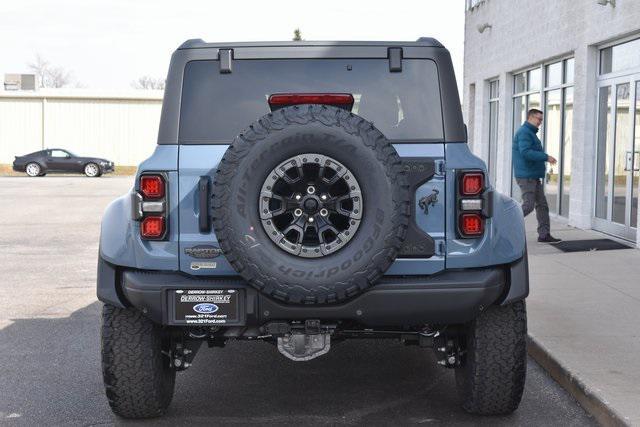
<point>49,75</point>
<point>148,82</point>
<point>297,35</point>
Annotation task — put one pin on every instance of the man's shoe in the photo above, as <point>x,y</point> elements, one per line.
<point>548,239</point>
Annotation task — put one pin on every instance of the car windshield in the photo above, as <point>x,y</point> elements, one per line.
<point>403,105</point>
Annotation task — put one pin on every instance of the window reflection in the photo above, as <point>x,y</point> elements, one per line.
<point>553,130</point>
<point>566,151</point>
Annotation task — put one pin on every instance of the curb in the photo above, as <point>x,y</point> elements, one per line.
<point>589,399</point>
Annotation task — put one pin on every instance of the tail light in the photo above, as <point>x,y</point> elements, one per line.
<point>471,184</point>
<point>152,186</point>
<point>473,204</point>
<point>152,227</point>
<point>279,100</point>
<point>471,224</point>
<point>150,206</point>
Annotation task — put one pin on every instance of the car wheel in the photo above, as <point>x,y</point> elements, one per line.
<point>92,170</point>
<point>33,169</point>
<point>138,377</point>
<point>491,377</point>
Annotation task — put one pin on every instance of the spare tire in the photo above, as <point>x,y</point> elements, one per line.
<point>310,204</point>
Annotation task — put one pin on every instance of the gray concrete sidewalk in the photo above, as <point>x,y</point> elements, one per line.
<point>584,313</point>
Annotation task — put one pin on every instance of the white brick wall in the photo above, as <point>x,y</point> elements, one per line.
<point>524,33</point>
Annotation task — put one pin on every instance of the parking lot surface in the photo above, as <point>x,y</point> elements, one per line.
<point>49,343</point>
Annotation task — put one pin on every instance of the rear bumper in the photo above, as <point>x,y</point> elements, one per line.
<point>444,298</point>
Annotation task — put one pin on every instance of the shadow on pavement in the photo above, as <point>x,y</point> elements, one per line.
<point>50,374</point>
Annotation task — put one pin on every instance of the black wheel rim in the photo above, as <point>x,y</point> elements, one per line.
<point>310,205</point>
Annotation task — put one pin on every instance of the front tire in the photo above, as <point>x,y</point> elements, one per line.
<point>138,378</point>
<point>492,375</point>
<point>92,170</point>
<point>33,169</point>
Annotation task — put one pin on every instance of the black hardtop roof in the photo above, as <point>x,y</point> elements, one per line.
<point>201,44</point>
<point>198,50</point>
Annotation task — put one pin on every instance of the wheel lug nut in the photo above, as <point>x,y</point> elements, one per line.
<point>324,212</point>
<point>311,189</point>
<point>297,212</point>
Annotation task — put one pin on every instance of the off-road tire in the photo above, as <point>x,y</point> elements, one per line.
<point>492,376</point>
<point>138,379</point>
<point>324,130</point>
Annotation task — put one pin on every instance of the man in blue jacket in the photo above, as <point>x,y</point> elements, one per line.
<point>529,169</point>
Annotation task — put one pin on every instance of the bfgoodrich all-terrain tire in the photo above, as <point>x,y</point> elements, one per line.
<point>364,162</point>
<point>138,379</point>
<point>491,378</point>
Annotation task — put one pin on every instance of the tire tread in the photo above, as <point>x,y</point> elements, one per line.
<point>138,380</point>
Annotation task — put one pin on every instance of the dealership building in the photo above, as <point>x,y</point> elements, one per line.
<point>579,62</point>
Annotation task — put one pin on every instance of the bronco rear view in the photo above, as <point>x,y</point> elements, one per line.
<point>304,193</point>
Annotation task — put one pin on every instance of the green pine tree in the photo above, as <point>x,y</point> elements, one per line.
<point>297,35</point>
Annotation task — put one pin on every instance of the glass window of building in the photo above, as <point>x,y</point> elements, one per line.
<point>635,161</point>
<point>569,70</point>
<point>605,143</point>
<point>555,99</point>
<point>566,151</point>
<point>534,79</point>
<point>624,56</point>
<point>554,74</point>
<point>618,143</point>
<point>622,148</point>
<point>520,83</point>
<point>553,132</point>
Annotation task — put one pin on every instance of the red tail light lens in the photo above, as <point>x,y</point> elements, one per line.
<point>152,227</point>
<point>152,186</point>
<point>471,184</point>
<point>471,224</point>
<point>284,99</point>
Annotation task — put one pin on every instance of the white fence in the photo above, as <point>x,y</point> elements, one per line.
<point>119,127</point>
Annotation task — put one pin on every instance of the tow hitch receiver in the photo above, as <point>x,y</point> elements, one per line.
<point>305,344</point>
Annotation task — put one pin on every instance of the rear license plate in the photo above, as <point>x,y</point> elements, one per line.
<point>206,306</point>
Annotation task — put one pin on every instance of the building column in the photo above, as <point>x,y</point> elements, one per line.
<point>584,137</point>
<point>503,157</point>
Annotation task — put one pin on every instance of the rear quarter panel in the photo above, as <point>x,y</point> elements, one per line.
<point>504,237</point>
<point>120,241</point>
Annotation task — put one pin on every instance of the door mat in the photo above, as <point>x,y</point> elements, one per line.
<point>589,245</point>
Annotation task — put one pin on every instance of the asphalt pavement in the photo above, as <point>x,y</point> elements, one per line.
<point>49,343</point>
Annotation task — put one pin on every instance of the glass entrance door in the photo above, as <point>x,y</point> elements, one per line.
<point>618,157</point>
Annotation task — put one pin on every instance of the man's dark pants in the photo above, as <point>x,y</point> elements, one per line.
<point>533,196</point>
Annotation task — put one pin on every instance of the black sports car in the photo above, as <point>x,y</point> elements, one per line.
<point>57,160</point>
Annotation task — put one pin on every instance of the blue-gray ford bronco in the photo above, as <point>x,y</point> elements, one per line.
<point>305,193</point>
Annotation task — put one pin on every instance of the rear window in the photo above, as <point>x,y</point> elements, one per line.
<point>403,106</point>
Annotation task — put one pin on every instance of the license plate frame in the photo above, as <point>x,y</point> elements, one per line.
<point>206,307</point>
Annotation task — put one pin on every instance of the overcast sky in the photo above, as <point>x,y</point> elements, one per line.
<point>107,44</point>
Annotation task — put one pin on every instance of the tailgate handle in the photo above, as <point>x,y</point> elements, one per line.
<point>203,201</point>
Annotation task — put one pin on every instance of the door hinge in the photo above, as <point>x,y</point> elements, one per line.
<point>441,248</point>
<point>225,56</point>
<point>395,59</point>
<point>441,167</point>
